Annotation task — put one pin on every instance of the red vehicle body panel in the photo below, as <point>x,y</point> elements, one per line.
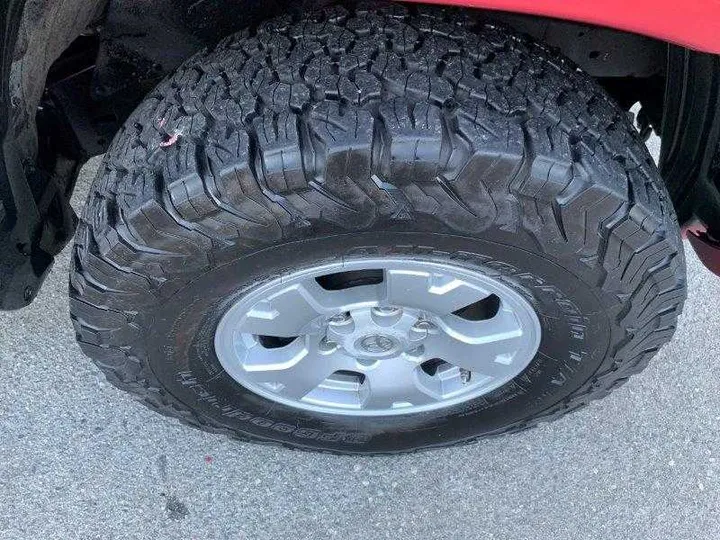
<point>693,23</point>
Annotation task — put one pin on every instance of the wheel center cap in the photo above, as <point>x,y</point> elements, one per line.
<point>376,344</point>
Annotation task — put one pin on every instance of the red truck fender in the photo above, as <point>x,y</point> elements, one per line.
<point>694,24</point>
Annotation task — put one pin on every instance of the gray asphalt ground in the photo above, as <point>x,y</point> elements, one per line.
<point>79,459</point>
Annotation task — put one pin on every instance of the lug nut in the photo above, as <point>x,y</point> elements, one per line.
<point>386,311</point>
<point>339,319</point>
<point>327,346</point>
<point>422,329</point>
<point>425,326</point>
<point>465,375</point>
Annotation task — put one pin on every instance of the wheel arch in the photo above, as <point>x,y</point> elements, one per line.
<point>695,24</point>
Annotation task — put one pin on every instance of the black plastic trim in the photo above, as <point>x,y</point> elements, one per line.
<point>691,136</point>
<point>22,269</point>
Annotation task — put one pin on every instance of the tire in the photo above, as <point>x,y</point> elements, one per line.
<point>386,131</point>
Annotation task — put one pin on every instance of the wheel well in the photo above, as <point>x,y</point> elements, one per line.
<point>139,43</point>
<point>110,68</point>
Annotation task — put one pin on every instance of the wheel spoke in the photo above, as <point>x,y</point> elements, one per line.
<point>429,291</point>
<point>485,347</point>
<point>394,384</point>
<point>299,369</point>
<point>288,313</point>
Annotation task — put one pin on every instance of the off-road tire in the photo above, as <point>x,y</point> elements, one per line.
<point>385,130</point>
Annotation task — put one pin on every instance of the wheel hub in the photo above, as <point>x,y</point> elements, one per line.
<point>377,344</point>
<point>425,337</point>
<point>375,333</point>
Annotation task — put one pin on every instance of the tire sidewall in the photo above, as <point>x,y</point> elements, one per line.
<point>574,314</point>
